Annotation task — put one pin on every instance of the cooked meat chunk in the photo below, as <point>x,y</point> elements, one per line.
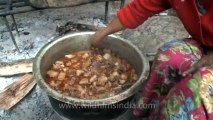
<point>124,76</point>
<point>59,62</point>
<point>68,63</point>
<point>69,56</point>
<point>115,74</point>
<point>100,89</point>
<point>93,78</point>
<point>86,55</point>
<point>122,81</point>
<point>99,58</point>
<point>72,81</point>
<point>52,83</point>
<point>87,74</point>
<point>56,66</point>
<point>107,56</point>
<point>52,73</point>
<point>134,77</point>
<point>79,72</point>
<point>102,80</point>
<point>87,64</point>
<point>61,76</point>
<point>84,81</point>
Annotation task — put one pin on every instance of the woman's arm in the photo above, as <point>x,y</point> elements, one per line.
<point>131,16</point>
<point>113,27</point>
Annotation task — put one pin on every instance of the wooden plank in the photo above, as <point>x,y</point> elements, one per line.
<point>16,68</point>
<point>13,93</point>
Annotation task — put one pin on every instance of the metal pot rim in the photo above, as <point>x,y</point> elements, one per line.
<point>85,102</point>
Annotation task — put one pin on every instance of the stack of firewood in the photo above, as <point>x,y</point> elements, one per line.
<point>16,91</point>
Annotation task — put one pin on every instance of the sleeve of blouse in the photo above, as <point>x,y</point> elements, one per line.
<point>137,11</point>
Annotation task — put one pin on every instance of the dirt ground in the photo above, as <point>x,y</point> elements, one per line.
<point>36,29</point>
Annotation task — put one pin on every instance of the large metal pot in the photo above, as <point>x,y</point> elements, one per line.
<point>78,42</point>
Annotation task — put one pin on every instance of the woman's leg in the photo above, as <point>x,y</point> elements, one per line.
<point>190,99</point>
<point>172,59</point>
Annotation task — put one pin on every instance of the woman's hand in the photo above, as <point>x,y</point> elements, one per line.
<point>204,61</point>
<point>97,38</point>
<point>100,35</point>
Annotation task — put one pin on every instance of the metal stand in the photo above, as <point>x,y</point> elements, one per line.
<point>107,9</point>
<point>122,4</point>
<point>6,8</point>
<point>11,34</point>
<point>14,21</point>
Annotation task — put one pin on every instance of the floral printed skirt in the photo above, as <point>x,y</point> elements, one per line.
<point>177,97</point>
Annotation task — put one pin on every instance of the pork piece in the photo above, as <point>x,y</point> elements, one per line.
<point>70,56</point>
<point>109,84</point>
<point>84,81</point>
<point>90,93</point>
<point>93,78</point>
<point>61,76</point>
<point>85,55</point>
<point>81,90</point>
<point>79,72</point>
<point>66,86</point>
<point>94,83</point>
<point>73,61</point>
<point>65,69</point>
<point>66,94</point>
<point>117,63</point>
<point>95,68</point>
<point>87,64</point>
<point>76,91</point>
<point>102,80</point>
<point>99,58</point>
<point>128,66</point>
<point>76,65</point>
<point>122,81</point>
<point>59,62</point>
<point>56,67</point>
<point>71,72</point>
<point>100,89</point>
<point>134,76</point>
<point>124,76</point>
<point>52,73</point>
<point>102,95</point>
<point>107,56</point>
<point>68,64</point>
<point>87,74</point>
<point>114,76</point>
<point>111,94</point>
<point>58,83</point>
<point>72,80</point>
<point>52,83</point>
